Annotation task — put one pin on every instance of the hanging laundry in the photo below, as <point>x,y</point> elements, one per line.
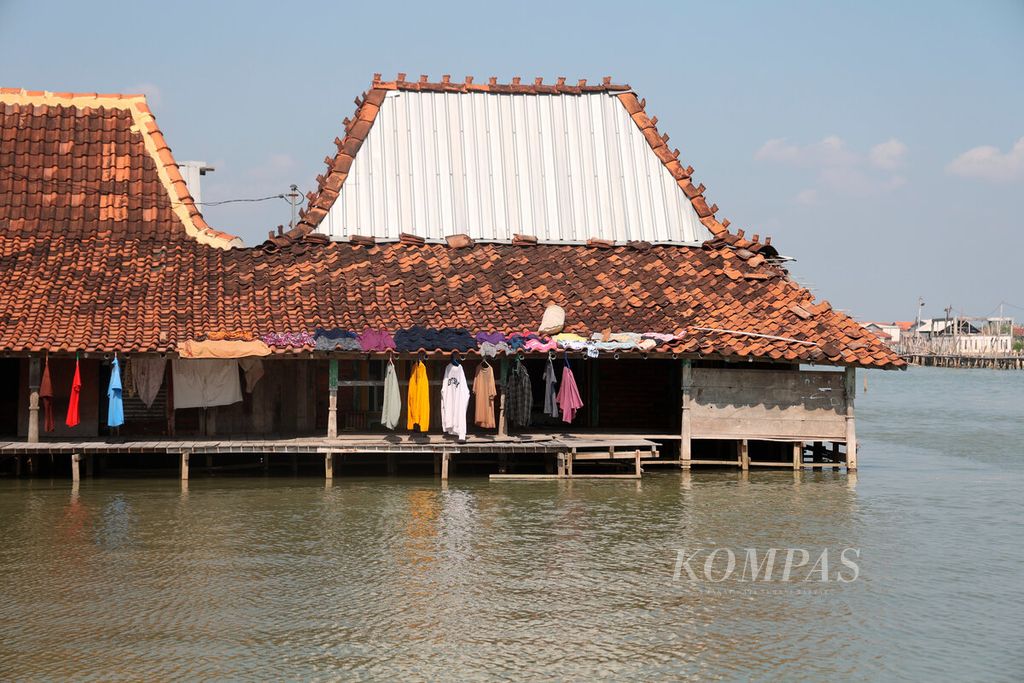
<point>490,337</point>
<point>419,399</point>
<point>447,339</point>
<point>46,393</point>
<point>376,340</point>
<point>392,408</point>
<point>518,396</point>
<point>148,376</point>
<point>550,393</point>
<point>484,393</point>
<point>337,340</point>
<point>253,370</point>
<point>490,350</point>
<point>288,340</point>
<point>542,346</point>
<point>72,419</point>
<point>115,406</point>
<point>454,401</point>
<point>205,383</point>
<point>569,395</point>
<point>658,336</point>
<point>569,337</point>
<point>222,348</point>
<point>128,379</point>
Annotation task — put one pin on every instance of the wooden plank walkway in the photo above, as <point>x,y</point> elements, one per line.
<point>611,445</point>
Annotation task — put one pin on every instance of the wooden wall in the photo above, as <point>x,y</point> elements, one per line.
<point>781,405</point>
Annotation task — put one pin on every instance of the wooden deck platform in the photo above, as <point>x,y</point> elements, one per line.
<point>567,447</point>
<point>350,443</point>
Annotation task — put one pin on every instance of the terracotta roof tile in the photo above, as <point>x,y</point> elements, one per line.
<point>104,293</point>
<point>77,163</point>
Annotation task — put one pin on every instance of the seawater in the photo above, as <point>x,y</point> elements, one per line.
<point>402,578</point>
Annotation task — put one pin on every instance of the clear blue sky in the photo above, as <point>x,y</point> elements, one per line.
<point>881,144</point>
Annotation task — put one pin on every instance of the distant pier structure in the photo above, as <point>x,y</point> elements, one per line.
<point>957,341</point>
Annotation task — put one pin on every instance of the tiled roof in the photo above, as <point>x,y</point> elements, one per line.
<point>368,105</point>
<point>106,294</point>
<point>84,164</point>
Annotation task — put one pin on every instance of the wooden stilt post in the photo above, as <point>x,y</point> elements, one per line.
<point>798,455</point>
<point>444,465</point>
<point>639,470</point>
<point>34,378</point>
<point>75,457</point>
<point>392,464</point>
<point>332,400</point>
<point>329,465</point>
<point>568,466</point>
<point>744,455</point>
<point>561,464</point>
<point>502,462</point>
<point>184,466</point>
<point>502,419</point>
<point>685,445</point>
<point>17,466</point>
<point>851,428</point>
<point>437,465</point>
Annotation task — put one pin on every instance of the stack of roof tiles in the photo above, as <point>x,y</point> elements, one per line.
<point>104,250</point>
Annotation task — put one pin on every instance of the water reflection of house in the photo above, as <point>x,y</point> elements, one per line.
<point>466,205</point>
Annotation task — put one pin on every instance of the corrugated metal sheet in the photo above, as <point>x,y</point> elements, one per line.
<point>563,168</point>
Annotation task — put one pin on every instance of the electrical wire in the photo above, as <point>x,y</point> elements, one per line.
<point>161,202</point>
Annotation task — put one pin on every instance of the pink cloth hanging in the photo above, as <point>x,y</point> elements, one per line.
<point>568,396</point>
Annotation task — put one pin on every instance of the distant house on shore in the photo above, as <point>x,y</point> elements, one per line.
<point>890,333</point>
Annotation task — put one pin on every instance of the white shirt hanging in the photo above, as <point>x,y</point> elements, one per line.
<point>454,401</point>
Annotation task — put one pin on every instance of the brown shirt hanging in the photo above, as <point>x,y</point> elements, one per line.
<point>484,392</point>
<point>46,394</point>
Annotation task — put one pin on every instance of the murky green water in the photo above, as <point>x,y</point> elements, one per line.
<point>405,579</point>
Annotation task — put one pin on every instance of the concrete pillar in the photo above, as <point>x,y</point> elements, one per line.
<point>686,444</point>
<point>183,466</point>
<point>329,465</point>
<point>744,455</point>
<point>332,400</point>
<point>851,427</point>
<point>75,458</point>
<point>798,455</point>
<point>444,465</point>
<point>34,378</point>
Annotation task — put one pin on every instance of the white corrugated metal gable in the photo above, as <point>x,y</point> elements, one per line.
<point>563,168</point>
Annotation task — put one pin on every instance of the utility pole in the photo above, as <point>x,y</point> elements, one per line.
<point>293,200</point>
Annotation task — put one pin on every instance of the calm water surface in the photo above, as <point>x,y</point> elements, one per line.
<point>403,578</point>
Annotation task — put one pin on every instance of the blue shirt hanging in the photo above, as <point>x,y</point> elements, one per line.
<point>115,411</point>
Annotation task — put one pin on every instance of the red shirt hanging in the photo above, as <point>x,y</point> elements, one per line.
<point>76,389</point>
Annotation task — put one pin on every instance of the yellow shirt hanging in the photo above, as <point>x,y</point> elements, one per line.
<point>419,398</point>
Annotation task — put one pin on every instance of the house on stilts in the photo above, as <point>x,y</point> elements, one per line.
<point>451,218</point>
